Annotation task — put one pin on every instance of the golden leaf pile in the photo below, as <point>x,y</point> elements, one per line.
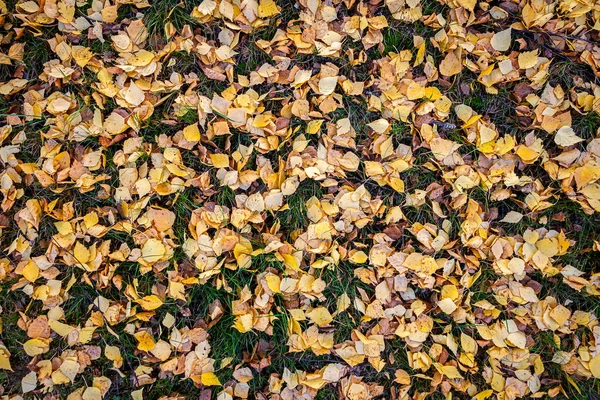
<point>311,199</point>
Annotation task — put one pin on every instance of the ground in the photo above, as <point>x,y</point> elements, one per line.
<point>299,199</point>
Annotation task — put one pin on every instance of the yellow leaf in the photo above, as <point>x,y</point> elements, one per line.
<point>176,290</point>
<point>560,314</point>
<point>595,366</point>
<point>402,377</point>
<point>483,395</point>
<point>70,369</point>
<point>468,4</point>
<point>86,334</point>
<point>358,257</point>
<point>315,383</point>
<point>442,148</point>
<point>92,393</point>
<point>342,303</point>
<point>450,65</point>
<point>153,250</point>
<point>314,126</point>
<point>162,350</point>
<point>320,316</point>
<point>468,343</point>
<point>133,94</point>
<point>528,59</point>
<point>220,160</point>
<point>31,271</point>
<point>517,339</point>
<point>432,93</point>
<point>4,358</point>
<point>447,305</point>
<point>290,261</point>
<point>137,394</point>
<point>191,133</point>
<point>267,8</point>
<point>273,283</point>
<point>146,341</point>
<point>451,372</point>
<point>449,292</point>
<point>573,383</point>
<point>81,55</point>
<point>527,154</point>
<point>244,323</point>
<point>210,379</point>
<point>151,302</point>
<point>206,7</point>
<point>109,14</point>
<point>420,55</point>
<point>60,328</point>
<point>81,253</point>
<point>36,346</point>
<point>114,354</point>
<point>512,217</point>
<point>382,125</point>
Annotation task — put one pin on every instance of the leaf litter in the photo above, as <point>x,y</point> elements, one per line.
<point>133,184</point>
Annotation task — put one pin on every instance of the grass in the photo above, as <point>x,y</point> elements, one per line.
<point>563,72</point>
<point>177,12</point>
<point>586,125</point>
<point>37,53</point>
<point>13,337</point>
<point>295,217</point>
